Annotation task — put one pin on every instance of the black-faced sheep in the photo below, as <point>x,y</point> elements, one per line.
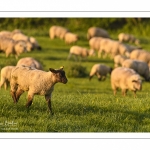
<point>97,32</point>
<point>125,79</point>
<point>36,82</point>
<point>100,70</point>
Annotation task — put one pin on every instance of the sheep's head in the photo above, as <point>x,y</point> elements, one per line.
<point>59,75</point>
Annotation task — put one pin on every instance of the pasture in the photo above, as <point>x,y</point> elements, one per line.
<point>80,105</point>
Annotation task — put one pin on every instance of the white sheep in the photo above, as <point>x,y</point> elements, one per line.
<point>97,32</point>
<point>105,47</point>
<point>94,43</point>
<point>29,61</point>
<point>5,76</point>
<point>70,38</point>
<point>57,32</point>
<point>119,59</point>
<point>124,37</point>
<point>20,36</point>
<point>36,82</point>
<point>100,70</point>
<point>9,46</point>
<point>80,52</point>
<point>125,79</point>
<point>119,48</point>
<point>142,55</point>
<point>139,66</point>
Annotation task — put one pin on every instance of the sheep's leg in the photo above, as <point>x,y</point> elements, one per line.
<point>124,92</point>
<point>2,82</point>
<point>30,99</point>
<point>134,92</point>
<point>13,94</point>
<point>18,94</point>
<point>69,56</point>
<point>48,100</point>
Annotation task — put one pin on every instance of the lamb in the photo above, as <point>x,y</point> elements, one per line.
<point>94,43</point>
<point>124,37</point>
<point>125,79</point>
<point>142,55</point>
<point>101,71</point>
<point>29,61</point>
<point>139,66</point>
<point>9,46</point>
<point>35,82</point>
<point>118,60</point>
<point>57,32</point>
<point>5,76</point>
<point>70,38</point>
<point>80,51</point>
<point>97,32</point>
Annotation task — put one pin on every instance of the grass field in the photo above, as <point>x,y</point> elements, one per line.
<point>80,105</point>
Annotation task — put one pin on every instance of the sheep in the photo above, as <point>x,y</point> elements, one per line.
<point>100,70</point>
<point>35,82</point>
<point>29,61</point>
<point>139,66</point>
<point>94,43</point>
<point>119,48</point>
<point>35,44</point>
<point>118,60</point>
<point>142,55</point>
<point>80,51</point>
<point>70,38</point>
<point>97,32</point>
<point>5,76</point>
<point>124,37</point>
<point>20,36</point>
<point>125,79</point>
<point>105,47</point>
<point>9,46</point>
<point>57,32</point>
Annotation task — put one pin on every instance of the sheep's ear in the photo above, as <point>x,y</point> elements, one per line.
<point>52,70</point>
<point>62,67</point>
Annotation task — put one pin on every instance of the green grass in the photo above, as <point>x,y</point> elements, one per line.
<point>80,105</point>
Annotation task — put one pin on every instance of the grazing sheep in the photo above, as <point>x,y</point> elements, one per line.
<point>31,62</point>
<point>94,43</point>
<point>105,47</point>
<point>9,46</point>
<point>118,60</point>
<point>35,44</point>
<point>123,37</point>
<point>97,32</point>
<point>125,79</point>
<point>70,38</point>
<point>139,66</point>
<point>57,32</point>
<point>20,36</point>
<point>5,76</point>
<point>80,51</point>
<point>142,55</point>
<point>101,71</point>
<point>36,82</point>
